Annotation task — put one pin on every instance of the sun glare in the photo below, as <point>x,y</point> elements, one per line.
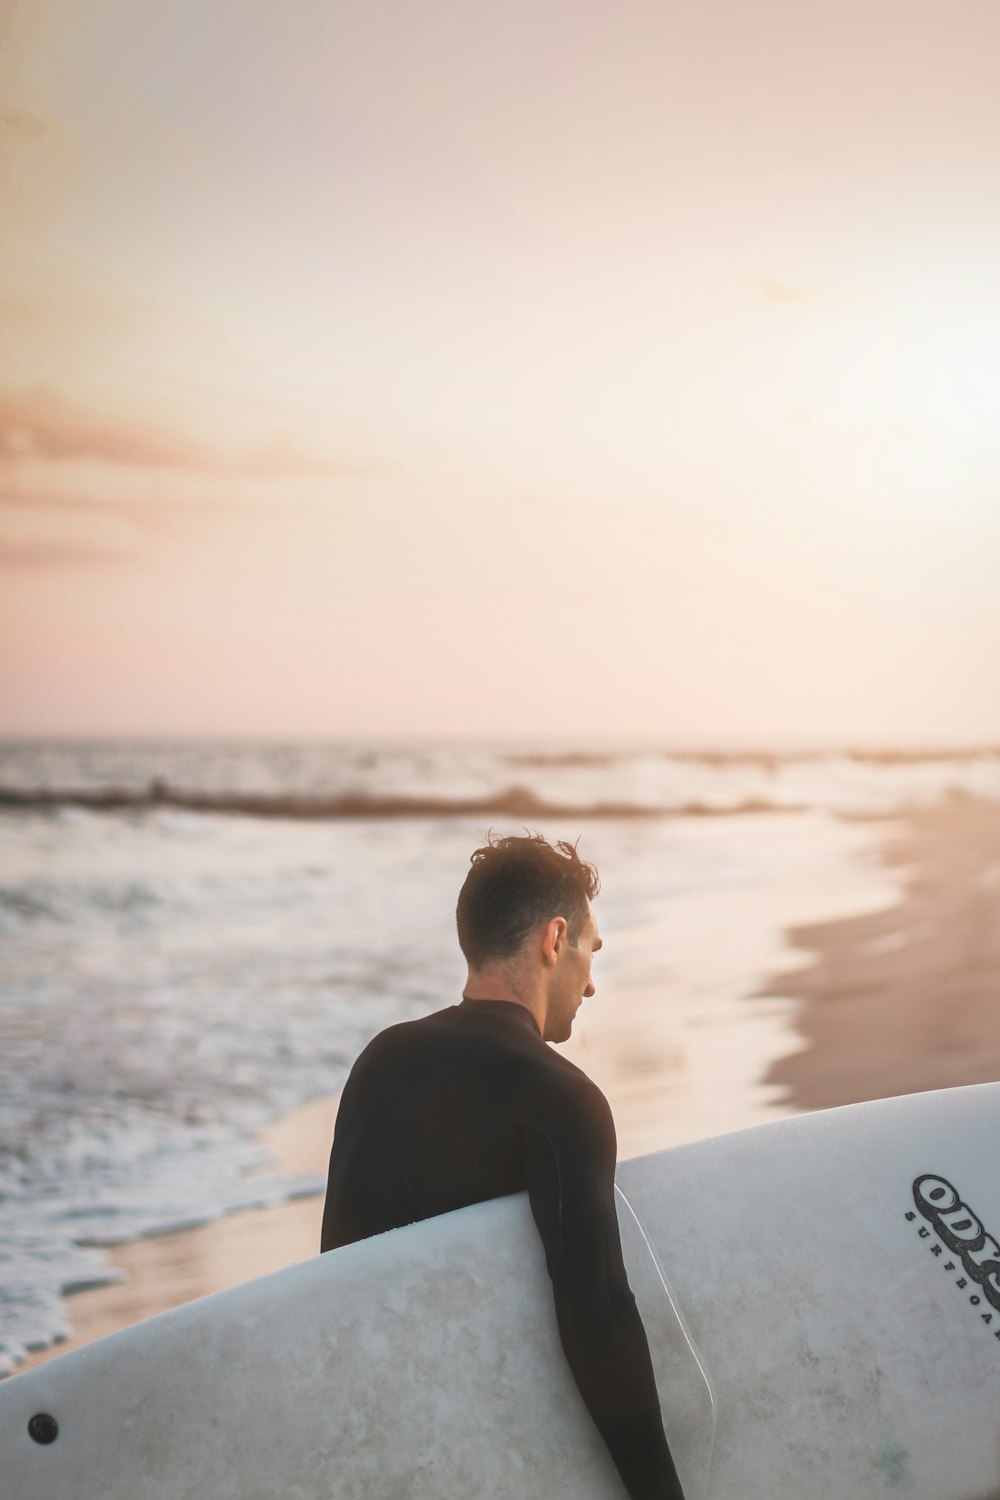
<point>926,363</point>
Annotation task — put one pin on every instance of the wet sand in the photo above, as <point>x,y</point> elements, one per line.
<point>892,1002</point>
<point>907,999</point>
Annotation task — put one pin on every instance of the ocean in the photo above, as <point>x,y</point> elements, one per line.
<point>197,937</point>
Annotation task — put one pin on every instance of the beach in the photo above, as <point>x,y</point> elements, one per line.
<point>894,1000</point>
<point>906,999</point>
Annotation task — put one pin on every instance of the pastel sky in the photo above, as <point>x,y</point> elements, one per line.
<point>551,369</point>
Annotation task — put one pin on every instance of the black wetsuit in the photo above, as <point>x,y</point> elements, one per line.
<point>469,1104</point>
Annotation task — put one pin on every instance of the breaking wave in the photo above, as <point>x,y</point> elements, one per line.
<point>510,802</point>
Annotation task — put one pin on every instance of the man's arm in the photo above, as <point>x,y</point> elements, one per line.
<point>569,1151</point>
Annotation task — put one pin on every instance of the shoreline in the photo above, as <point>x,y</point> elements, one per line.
<point>896,1000</point>
<point>164,1271</point>
<point>906,999</point>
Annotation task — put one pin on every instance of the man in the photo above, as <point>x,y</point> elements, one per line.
<point>469,1104</point>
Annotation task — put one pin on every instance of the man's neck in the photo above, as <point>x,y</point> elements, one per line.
<point>485,986</point>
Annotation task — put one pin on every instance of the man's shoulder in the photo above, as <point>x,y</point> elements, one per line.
<point>567,1076</point>
<point>403,1034</point>
<point>576,1089</point>
<point>560,1100</point>
<point>546,1078</point>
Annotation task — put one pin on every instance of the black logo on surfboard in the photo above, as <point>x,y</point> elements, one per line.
<point>976,1252</point>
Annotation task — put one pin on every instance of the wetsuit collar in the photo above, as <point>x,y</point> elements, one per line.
<point>505,1009</point>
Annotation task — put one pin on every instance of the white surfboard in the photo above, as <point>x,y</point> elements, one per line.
<point>822,1298</point>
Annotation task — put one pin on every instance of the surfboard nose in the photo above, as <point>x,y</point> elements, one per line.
<point>30,1429</point>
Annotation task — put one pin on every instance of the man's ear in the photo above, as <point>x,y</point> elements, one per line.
<point>554,940</point>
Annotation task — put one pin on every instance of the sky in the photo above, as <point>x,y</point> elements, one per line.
<point>552,370</point>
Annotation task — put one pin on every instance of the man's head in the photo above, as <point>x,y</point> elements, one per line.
<point>526,927</point>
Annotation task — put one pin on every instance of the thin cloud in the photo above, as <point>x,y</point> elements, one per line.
<point>42,423</point>
<point>39,158</point>
<point>58,554</point>
<point>281,458</point>
<point>781,291</point>
<point>147,515</point>
<point>86,520</point>
<point>20,124</point>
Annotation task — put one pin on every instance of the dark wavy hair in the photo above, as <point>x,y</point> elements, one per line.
<point>514,884</point>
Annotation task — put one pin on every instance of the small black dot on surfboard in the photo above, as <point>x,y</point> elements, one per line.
<point>43,1428</point>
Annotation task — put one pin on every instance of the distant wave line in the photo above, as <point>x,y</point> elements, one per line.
<point>511,802</point>
<point>761,760</point>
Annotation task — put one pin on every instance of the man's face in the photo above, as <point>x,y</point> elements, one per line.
<point>572,982</point>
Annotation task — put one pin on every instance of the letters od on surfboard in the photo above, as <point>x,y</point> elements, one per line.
<point>962,1232</point>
